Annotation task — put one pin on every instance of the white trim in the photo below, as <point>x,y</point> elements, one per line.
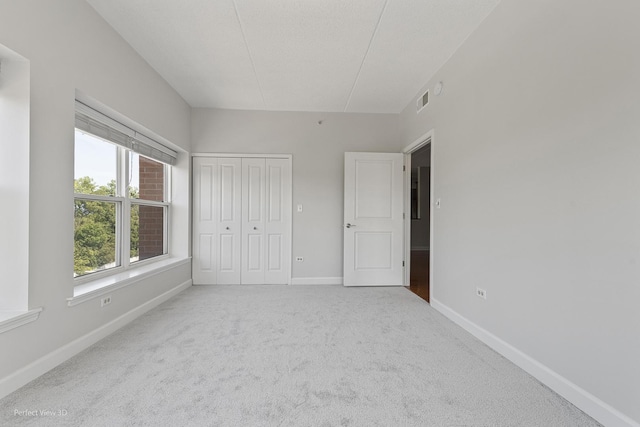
<point>94,289</point>
<point>316,281</point>
<point>407,219</point>
<point>427,138</point>
<point>290,252</point>
<point>98,197</point>
<point>415,145</point>
<point>590,404</point>
<point>14,319</point>
<point>244,155</point>
<point>146,202</point>
<point>14,381</point>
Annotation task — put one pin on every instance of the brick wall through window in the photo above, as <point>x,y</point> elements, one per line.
<point>151,217</point>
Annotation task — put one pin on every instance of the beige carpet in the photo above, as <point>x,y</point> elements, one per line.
<point>290,356</point>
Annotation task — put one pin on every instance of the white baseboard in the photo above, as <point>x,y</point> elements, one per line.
<point>316,280</point>
<point>591,405</point>
<point>12,382</point>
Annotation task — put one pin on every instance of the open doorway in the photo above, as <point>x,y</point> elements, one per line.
<point>418,206</point>
<point>420,235</point>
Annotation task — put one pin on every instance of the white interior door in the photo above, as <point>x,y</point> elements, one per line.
<point>373,220</point>
<point>253,221</point>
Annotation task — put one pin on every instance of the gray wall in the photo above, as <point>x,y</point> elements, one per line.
<point>14,180</point>
<point>318,167</point>
<point>71,48</point>
<point>536,154</point>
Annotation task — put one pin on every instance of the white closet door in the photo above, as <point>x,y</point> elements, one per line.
<point>241,221</point>
<point>228,216</point>
<point>204,268</point>
<point>277,221</point>
<point>253,221</point>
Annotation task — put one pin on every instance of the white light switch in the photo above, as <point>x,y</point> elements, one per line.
<point>299,208</point>
<point>437,203</point>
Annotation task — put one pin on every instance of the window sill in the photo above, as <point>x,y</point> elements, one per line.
<point>13,319</point>
<point>96,288</point>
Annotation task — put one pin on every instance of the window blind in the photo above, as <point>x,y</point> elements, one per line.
<point>103,126</point>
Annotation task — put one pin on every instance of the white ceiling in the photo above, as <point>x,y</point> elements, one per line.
<point>296,55</point>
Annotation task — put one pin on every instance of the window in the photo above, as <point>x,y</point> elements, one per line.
<point>121,201</point>
<point>14,190</point>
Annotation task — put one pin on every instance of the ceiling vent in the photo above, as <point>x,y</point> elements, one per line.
<point>423,101</point>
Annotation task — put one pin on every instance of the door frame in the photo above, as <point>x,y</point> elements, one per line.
<point>422,141</point>
<point>288,157</point>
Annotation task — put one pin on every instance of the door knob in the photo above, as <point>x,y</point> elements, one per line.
<point>255,228</point>
<point>350,225</point>
<point>227,228</point>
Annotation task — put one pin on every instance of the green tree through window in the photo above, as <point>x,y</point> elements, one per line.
<point>95,227</point>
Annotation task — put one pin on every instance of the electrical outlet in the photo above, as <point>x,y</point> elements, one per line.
<point>299,259</point>
<point>481,293</point>
<point>105,301</point>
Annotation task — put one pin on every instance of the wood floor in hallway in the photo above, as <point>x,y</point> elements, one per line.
<point>419,283</point>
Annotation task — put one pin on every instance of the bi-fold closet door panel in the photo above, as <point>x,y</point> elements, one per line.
<point>204,226</point>
<point>229,221</point>
<point>266,213</point>
<point>253,221</point>
<point>278,221</point>
<point>242,220</point>
<point>217,220</point>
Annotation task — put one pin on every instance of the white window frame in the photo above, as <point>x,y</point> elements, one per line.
<point>123,205</point>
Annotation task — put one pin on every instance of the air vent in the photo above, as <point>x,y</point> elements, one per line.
<point>423,101</point>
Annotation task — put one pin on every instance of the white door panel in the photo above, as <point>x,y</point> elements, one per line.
<point>254,254</point>
<point>227,261</point>
<point>373,250</point>
<point>205,191</point>
<point>205,257</point>
<point>274,192</point>
<point>274,253</point>
<point>373,233</point>
<point>229,190</point>
<point>372,190</point>
<point>254,189</point>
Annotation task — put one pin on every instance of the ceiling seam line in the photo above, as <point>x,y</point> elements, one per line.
<point>364,59</point>
<point>246,45</point>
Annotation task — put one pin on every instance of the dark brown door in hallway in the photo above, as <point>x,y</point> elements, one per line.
<point>419,281</point>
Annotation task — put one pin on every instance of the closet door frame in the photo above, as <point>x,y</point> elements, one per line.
<point>289,158</point>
